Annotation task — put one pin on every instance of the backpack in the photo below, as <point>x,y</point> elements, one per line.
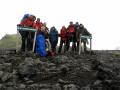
<point>71,29</point>
<point>25,17</point>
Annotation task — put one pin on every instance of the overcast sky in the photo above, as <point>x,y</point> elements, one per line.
<point>100,17</point>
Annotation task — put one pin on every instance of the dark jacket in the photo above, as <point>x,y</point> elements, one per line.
<point>84,31</point>
<point>71,29</point>
<point>53,35</point>
<point>77,32</point>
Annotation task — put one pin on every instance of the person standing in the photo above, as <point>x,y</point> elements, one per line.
<point>77,34</point>
<point>28,21</point>
<point>84,31</point>
<point>63,38</point>
<point>71,36</point>
<point>53,37</point>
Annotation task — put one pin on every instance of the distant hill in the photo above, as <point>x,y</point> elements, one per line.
<point>9,41</point>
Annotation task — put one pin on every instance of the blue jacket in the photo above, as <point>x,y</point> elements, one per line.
<point>53,35</point>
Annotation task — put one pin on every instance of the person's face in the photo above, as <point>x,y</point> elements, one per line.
<point>44,24</point>
<point>30,17</point>
<point>77,23</point>
<point>81,26</point>
<point>71,23</point>
<point>34,19</point>
<point>38,20</point>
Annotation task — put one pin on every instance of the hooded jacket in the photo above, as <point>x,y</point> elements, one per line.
<point>53,35</point>
<point>63,33</point>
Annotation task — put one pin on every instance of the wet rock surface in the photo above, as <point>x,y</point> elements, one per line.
<point>97,71</point>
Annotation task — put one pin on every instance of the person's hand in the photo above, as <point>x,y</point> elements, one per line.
<point>87,42</point>
<point>37,28</point>
<point>90,34</point>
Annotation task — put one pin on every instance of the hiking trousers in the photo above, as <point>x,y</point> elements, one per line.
<point>61,44</point>
<point>25,40</point>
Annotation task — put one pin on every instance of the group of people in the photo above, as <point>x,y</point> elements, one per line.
<point>67,35</point>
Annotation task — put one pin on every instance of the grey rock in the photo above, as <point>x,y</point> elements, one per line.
<point>56,87</point>
<point>86,87</point>
<point>1,74</point>
<point>15,79</point>
<point>22,86</point>
<point>29,82</point>
<point>61,59</point>
<point>2,67</point>
<point>37,62</point>
<point>60,81</point>
<point>27,67</point>
<point>97,82</point>
<point>34,85</point>
<point>1,85</point>
<point>7,64</point>
<point>2,60</point>
<point>70,87</point>
<point>9,84</point>
<point>29,61</point>
<point>64,69</point>
<point>9,88</point>
<point>6,76</point>
<point>45,86</point>
<point>8,67</point>
<point>86,67</point>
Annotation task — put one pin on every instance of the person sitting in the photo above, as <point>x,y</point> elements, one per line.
<point>63,36</point>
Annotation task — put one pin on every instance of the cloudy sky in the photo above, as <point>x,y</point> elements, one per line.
<point>100,17</point>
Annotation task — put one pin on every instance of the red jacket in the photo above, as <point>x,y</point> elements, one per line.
<point>71,29</point>
<point>38,25</point>
<point>63,33</point>
<point>27,23</point>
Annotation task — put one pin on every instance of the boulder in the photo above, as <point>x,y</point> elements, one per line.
<point>22,86</point>
<point>57,87</point>
<point>70,87</point>
<point>61,59</point>
<point>6,76</point>
<point>1,74</point>
<point>8,67</point>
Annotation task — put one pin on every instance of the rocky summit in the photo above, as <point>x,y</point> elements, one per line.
<point>99,70</point>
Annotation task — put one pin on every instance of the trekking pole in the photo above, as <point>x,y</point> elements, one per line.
<point>34,41</point>
<point>65,47</point>
<point>80,45</point>
<point>72,43</point>
<point>90,44</point>
<point>17,44</point>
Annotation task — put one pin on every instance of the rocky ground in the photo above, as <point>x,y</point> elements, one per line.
<point>99,70</point>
